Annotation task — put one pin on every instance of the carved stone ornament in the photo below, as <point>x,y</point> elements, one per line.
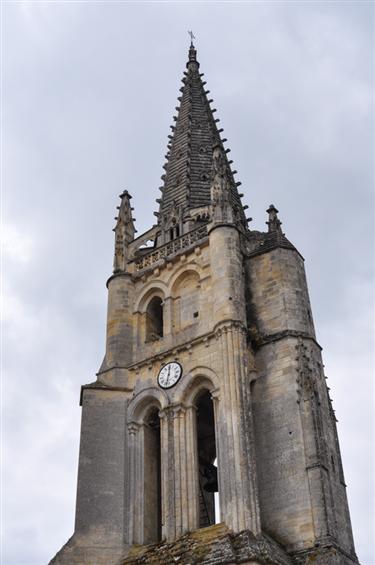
<point>274,224</point>
<point>172,217</point>
<point>124,233</point>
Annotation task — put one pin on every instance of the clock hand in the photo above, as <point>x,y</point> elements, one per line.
<point>169,372</point>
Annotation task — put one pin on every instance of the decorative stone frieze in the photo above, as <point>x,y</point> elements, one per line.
<point>173,247</point>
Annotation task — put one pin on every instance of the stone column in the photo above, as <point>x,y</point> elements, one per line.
<point>227,274</point>
<point>191,463</point>
<point>165,478</point>
<point>222,482</point>
<point>168,424</point>
<point>238,486</point>
<point>167,316</point>
<point>187,509</point>
<point>135,485</point>
<point>236,457</point>
<point>179,468</point>
<point>119,339</point>
<point>252,513</point>
<point>180,472</point>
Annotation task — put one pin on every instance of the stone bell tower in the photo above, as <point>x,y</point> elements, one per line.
<point>209,435</point>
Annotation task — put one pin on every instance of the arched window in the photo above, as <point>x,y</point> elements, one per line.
<point>206,446</point>
<point>152,478</point>
<point>154,319</point>
<point>145,438</point>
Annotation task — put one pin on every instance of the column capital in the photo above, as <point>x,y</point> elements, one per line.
<point>133,427</point>
<point>229,326</point>
<point>178,409</point>
<point>190,407</point>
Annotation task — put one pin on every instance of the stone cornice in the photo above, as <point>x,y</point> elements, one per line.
<point>227,325</point>
<point>117,275</point>
<point>317,465</point>
<point>213,227</point>
<point>270,338</point>
<point>322,547</point>
<point>187,345</point>
<point>267,242</point>
<point>219,328</point>
<point>102,387</point>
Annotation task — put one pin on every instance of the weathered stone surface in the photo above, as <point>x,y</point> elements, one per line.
<point>102,470</point>
<point>211,546</point>
<point>86,550</point>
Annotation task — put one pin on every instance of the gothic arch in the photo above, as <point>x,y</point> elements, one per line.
<point>140,405</point>
<point>200,394</point>
<point>146,327</point>
<point>145,465</point>
<point>197,380</point>
<point>154,288</point>
<point>185,298</point>
<point>180,274</point>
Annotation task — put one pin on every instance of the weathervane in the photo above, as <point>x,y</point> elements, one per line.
<point>192,36</point>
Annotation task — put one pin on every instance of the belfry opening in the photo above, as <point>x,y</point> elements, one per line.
<point>206,447</point>
<point>154,319</point>
<point>152,478</point>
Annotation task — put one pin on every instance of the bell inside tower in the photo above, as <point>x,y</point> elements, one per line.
<point>208,480</point>
<point>152,478</point>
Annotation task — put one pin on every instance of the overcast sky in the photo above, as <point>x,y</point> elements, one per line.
<point>89,91</point>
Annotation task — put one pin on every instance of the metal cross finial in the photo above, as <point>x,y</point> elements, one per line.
<point>192,36</point>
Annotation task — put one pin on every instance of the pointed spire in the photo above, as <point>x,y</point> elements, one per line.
<point>274,224</point>
<point>188,170</point>
<point>124,233</point>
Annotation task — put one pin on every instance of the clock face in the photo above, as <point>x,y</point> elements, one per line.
<point>169,375</point>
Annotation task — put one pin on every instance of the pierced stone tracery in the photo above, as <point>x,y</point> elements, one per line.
<point>183,242</point>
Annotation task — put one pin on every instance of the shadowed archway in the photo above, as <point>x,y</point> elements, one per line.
<point>152,478</point>
<point>206,447</point>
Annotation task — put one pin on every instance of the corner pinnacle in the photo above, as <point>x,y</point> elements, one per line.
<point>274,224</point>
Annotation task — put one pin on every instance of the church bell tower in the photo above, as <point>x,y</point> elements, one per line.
<point>208,436</point>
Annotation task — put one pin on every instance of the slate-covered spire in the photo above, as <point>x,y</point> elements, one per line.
<point>124,232</point>
<point>188,170</point>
